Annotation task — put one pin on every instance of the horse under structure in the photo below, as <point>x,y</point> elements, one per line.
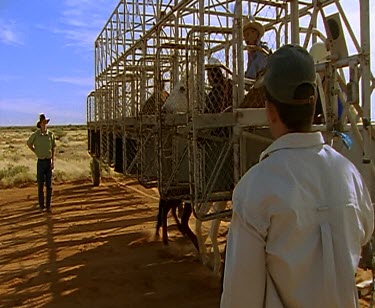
<point>152,114</point>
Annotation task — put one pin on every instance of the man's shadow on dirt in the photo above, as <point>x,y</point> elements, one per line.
<point>108,258</point>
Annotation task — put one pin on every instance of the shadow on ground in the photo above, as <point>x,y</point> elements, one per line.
<point>96,249</point>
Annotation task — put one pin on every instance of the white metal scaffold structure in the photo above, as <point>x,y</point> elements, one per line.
<point>148,115</point>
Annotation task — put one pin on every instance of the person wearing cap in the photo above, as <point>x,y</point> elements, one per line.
<point>302,214</point>
<point>220,96</point>
<point>42,142</point>
<point>257,51</point>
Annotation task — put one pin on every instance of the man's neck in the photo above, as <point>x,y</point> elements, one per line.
<point>289,131</point>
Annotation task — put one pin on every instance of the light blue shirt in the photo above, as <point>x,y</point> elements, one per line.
<point>257,60</point>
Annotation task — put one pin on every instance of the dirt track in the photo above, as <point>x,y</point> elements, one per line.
<point>97,249</point>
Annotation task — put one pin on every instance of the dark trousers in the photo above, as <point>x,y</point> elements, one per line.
<point>44,175</point>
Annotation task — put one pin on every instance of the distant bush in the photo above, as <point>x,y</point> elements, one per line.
<point>59,133</point>
<point>15,176</point>
<point>64,140</point>
<point>11,171</point>
<point>60,176</point>
<point>18,163</point>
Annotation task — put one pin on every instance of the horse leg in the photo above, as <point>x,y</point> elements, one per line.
<point>174,206</point>
<point>180,209</point>
<point>164,214</point>
<point>218,206</point>
<point>223,270</point>
<point>185,225</point>
<point>201,242</point>
<point>159,219</point>
<point>215,246</point>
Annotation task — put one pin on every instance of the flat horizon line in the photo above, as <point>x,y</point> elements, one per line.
<point>50,126</point>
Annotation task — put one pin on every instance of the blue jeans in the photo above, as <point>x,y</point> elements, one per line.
<point>44,175</point>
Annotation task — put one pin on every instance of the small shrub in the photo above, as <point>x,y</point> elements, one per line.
<point>72,160</point>
<point>65,140</point>
<point>59,133</point>
<point>16,158</point>
<point>15,175</point>
<point>59,176</point>
<point>12,171</point>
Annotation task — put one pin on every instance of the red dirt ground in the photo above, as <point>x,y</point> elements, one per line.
<point>97,249</point>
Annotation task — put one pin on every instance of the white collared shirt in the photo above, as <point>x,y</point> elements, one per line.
<point>299,220</point>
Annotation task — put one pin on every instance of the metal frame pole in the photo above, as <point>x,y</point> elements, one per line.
<point>366,86</point>
<point>294,21</point>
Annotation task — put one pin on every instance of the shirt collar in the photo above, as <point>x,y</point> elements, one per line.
<point>294,141</point>
<point>43,134</point>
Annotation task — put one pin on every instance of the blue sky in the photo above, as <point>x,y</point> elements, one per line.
<point>47,57</point>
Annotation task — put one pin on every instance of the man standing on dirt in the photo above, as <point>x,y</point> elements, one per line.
<point>42,143</point>
<point>301,215</point>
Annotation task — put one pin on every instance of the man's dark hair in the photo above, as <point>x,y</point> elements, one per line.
<point>297,118</point>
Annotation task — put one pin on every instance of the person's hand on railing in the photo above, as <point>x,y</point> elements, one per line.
<point>251,48</point>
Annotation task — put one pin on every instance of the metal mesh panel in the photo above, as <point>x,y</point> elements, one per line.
<point>147,151</point>
<point>173,158</point>
<point>111,150</point>
<point>254,140</point>
<point>97,143</point>
<point>104,146</point>
<point>148,157</point>
<point>137,66</point>
<point>174,168</point>
<point>268,13</point>
<point>129,98</point>
<point>91,107</point>
<point>130,149</point>
<point>216,165</point>
<point>211,158</point>
<point>210,61</point>
<point>93,141</point>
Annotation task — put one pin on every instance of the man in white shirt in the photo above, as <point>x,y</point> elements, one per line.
<point>301,215</point>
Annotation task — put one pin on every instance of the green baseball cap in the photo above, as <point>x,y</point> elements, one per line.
<point>289,67</point>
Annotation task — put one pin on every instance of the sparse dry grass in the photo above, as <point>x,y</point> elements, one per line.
<point>18,163</point>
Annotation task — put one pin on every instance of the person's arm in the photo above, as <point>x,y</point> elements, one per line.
<point>31,147</point>
<point>245,267</point>
<point>30,143</point>
<point>260,63</point>
<point>53,159</point>
<point>250,69</point>
<point>367,218</point>
<point>53,152</point>
<point>367,211</point>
